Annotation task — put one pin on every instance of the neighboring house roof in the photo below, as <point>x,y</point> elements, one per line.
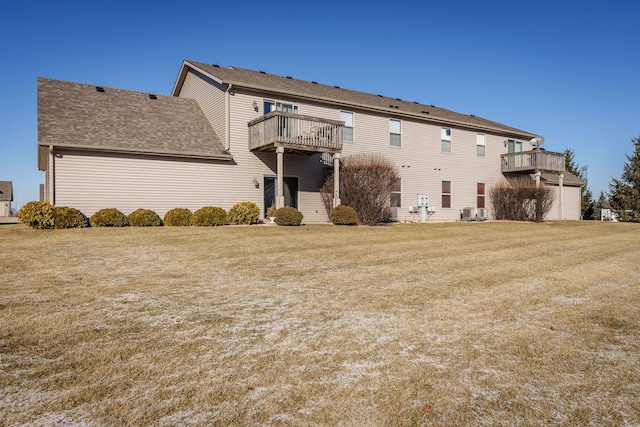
<point>76,115</point>
<point>6,191</point>
<point>345,98</point>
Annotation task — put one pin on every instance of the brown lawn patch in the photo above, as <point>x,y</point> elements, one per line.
<point>437,324</point>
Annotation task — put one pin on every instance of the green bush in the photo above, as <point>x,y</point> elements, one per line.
<point>69,218</point>
<point>109,217</point>
<point>178,217</point>
<point>39,215</point>
<point>209,216</point>
<point>144,218</point>
<point>344,215</point>
<point>288,216</point>
<point>244,213</point>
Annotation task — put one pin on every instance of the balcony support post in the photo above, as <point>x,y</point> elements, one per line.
<point>538,174</point>
<point>280,177</point>
<point>560,196</point>
<point>336,179</point>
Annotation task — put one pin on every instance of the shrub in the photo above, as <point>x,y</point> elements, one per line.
<point>178,217</point>
<point>109,217</point>
<point>39,215</point>
<point>288,216</point>
<point>144,218</point>
<point>69,218</point>
<point>344,215</point>
<point>209,216</point>
<point>244,213</point>
<point>366,182</point>
<point>520,200</point>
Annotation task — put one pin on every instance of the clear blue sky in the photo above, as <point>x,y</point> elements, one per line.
<point>563,69</point>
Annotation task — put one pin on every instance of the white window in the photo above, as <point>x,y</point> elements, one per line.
<point>347,130</point>
<point>480,144</point>
<point>446,139</point>
<point>394,133</point>
<point>395,200</point>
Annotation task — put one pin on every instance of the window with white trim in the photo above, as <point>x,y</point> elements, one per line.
<point>395,200</point>
<point>446,194</point>
<point>481,195</point>
<point>445,137</point>
<point>394,133</point>
<point>347,130</point>
<point>480,145</point>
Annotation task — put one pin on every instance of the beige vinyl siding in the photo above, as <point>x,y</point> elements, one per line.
<point>90,182</point>
<point>211,97</point>
<point>571,203</point>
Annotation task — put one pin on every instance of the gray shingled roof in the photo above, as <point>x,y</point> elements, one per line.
<point>569,179</point>
<point>76,115</point>
<point>6,191</point>
<point>258,80</point>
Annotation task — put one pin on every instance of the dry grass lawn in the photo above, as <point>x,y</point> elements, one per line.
<point>438,324</point>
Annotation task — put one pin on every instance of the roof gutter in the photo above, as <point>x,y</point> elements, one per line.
<point>138,152</point>
<point>227,117</point>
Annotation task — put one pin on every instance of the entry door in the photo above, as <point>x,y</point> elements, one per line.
<point>290,192</point>
<point>515,147</point>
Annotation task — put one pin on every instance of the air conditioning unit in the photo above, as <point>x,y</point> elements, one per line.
<point>483,214</point>
<point>412,209</point>
<point>469,214</point>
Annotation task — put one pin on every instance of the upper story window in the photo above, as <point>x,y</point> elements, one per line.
<point>270,106</point>
<point>347,130</point>
<point>480,144</point>
<point>446,139</point>
<point>394,133</point>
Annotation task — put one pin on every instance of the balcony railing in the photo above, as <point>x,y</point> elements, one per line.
<point>531,161</point>
<point>295,132</point>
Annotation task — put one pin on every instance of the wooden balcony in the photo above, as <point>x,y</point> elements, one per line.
<point>296,133</point>
<point>532,161</point>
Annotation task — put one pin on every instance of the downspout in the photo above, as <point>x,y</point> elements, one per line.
<point>50,183</point>
<point>227,119</point>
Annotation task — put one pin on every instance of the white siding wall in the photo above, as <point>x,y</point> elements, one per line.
<point>5,208</point>
<point>571,200</point>
<point>211,97</point>
<point>90,182</point>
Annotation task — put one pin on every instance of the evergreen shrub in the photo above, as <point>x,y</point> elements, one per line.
<point>209,216</point>
<point>38,215</point>
<point>178,217</point>
<point>344,215</point>
<point>66,217</point>
<point>288,216</point>
<point>244,213</point>
<point>144,218</point>
<point>109,217</point>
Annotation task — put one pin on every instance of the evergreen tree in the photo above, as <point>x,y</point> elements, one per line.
<point>587,203</point>
<point>624,194</point>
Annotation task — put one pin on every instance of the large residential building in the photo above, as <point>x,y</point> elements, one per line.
<point>228,134</point>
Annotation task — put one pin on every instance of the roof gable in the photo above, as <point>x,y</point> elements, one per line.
<point>259,80</point>
<point>87,117</point>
